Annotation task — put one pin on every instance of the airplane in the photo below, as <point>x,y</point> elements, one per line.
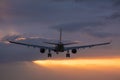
<point>60,46</point>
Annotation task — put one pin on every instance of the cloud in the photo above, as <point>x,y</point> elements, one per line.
<point>102,34</point>
<point>90,28</point>
<point>33,15</point>
<point>26,13</point>
<point>48,11</point>
<point>114,16</point>
<point>13,53</point>
<point>116,3</point>
<point>78,25</point>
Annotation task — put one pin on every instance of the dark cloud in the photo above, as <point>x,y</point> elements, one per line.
<point>114,16</point>
<point>82,26</point>
<point>13,53</point>
<point>26,13</point>
<point>95,29</point>
<point>102,34</point>
<point>48,11</point>
<point>116,3</point>
<point>91,28</point>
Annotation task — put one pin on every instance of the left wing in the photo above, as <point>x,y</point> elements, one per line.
<point>32,45</point>
<point>86,46</point>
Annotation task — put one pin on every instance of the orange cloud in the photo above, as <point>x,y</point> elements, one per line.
<point>100,63</point>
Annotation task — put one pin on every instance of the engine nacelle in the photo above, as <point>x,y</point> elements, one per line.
<point>42,50</point>
<point>74,51</point>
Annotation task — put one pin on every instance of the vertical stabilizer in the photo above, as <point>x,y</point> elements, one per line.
<point>60,35</point>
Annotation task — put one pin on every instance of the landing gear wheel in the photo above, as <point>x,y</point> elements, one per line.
<point>68,55</point>
<point>49,55</point>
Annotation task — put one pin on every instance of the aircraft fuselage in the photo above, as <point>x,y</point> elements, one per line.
<point>59,48</point>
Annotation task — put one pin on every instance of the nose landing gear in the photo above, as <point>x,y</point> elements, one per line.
<point>49,54</point>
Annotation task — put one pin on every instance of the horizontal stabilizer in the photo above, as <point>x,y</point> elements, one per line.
<point>51,43</point>
<point>71,43</point>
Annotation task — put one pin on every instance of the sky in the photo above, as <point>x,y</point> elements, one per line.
<point>86,21</point>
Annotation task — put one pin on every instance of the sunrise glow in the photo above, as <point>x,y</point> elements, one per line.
<point>81,63</point>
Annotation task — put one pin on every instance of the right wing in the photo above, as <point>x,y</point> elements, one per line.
<point>32,45</point>
<point>86,46</point>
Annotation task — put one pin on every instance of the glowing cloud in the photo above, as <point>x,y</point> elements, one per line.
<point>21,38</point>
<point>81,63</point>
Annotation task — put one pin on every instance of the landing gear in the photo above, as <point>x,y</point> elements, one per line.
<point>49,55</point>
<point>68,54</point>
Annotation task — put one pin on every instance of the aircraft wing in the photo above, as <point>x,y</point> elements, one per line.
<point>32,45</point>
<point>86,46</point>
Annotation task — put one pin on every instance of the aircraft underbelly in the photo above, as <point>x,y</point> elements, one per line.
<point>59,49</point>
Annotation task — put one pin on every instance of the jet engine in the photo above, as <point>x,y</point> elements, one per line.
<point>74,51</point>
<point>42,50</point>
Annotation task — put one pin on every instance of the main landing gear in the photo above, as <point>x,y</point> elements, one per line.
<point>68,54</point>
